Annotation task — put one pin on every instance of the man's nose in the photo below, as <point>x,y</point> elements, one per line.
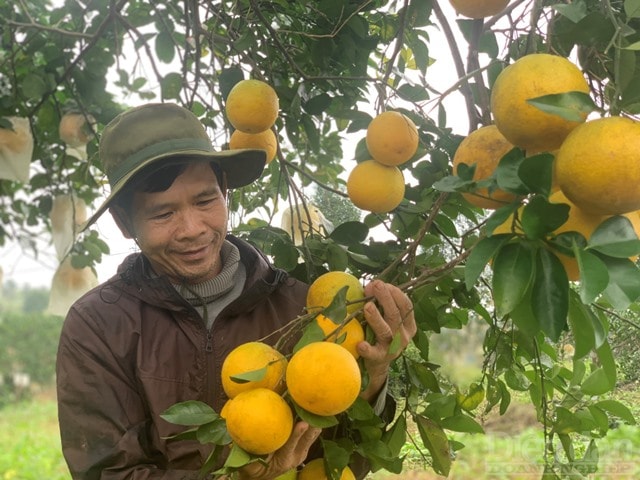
<point>191,224</point>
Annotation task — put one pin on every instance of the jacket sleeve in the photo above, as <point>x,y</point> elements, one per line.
<point>103,423</point>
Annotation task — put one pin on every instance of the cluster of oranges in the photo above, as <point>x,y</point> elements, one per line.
<point>596,167</point>
<point>252,108</point>
<point>377,184</point>
<point>321,377</point>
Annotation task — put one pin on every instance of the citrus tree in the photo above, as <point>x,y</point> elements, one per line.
<point>475,243</point>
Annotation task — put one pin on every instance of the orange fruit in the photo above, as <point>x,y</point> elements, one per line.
<point>375,187</point>
<point>529,77</point>
<point>253,357</point>
<point>479,8</point>
<point>598,166</point>
<point>347,336</point>
<point>315,470</point>
<point>484,148</point>
<point>323,378</point>
<point>585,223</point>
<point>265,140</point>
<point>324,288</point>
<point>252,106</point>
<point>392,138</point>
<point>259,421</point>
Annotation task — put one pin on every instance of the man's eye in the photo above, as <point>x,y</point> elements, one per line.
<point>161,216</point>
<point>204,203</point>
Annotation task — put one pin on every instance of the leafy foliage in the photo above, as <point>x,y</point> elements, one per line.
<point>334,65</point>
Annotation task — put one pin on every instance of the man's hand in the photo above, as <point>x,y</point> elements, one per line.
<point>289,456</point>
<point>393,316</point>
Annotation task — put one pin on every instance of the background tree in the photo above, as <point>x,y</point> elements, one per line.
<point>335,65</point>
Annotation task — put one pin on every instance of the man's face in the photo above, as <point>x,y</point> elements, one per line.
<point>181,230</point>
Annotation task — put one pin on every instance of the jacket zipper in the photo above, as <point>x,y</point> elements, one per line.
<point>209,345</point>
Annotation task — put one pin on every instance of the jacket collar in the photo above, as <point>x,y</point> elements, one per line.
<point>262,278</point>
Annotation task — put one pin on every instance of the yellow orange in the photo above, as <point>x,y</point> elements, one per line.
<point>252,106</point>
<point>479,8</point>
<point>529,77</point>
<point>375,187</point>
<point>265,140</point>
<point>598,166</point>
<point>392,138</point>
<point>347,335</point>
<point>324,288</point>
<point>259,421</point>
<point>315,470</point>
<point>253,357</point>
<point>484,148</point>
<point>323,378</point>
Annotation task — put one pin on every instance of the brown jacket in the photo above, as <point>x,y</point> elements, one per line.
<point>132,347</point>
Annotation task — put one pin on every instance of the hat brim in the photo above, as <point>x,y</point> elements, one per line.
<point>241,167</point>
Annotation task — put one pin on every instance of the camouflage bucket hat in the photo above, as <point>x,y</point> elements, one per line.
<point>153,132</point>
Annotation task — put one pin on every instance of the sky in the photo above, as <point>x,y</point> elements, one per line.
<point>20,266</point>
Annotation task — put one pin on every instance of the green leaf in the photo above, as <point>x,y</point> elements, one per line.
<point>228,78</point>
<point>632,8</point>
<point>565,421</point>
<point>575,11</point>
<point>165,48</point>
<point>608,362</point>
<point>285,255</point>
<point>615,237</point>
<point>237,457</point>
<point>597,383</point>
<point>540,217</point>
<point>350,233</point>
<point>473,397</point>
<point>624,282</point>
<point>550,294</point>
<point>536,172</point>
<point>512,272</point>
<point>337,257</point>
<point>581,326</point>
<point>314,420</point>
<point>594,276</point>
<point>507,174</point>
<point>479,257</point>
<point>572,106</point>
<point>214,433</point>
<point>396,436</point>
<point>413,93</point>
<point>171,85</point>
<point>523,317</point>
<point>33,86</point>
<point>461,423</point>
<point>436,441</point>
<point>452,184</point>
<point>252,376</point>
<point>499,216</point>
<point>617,409</point>
<point>318,104</point>
<point>191,412</point>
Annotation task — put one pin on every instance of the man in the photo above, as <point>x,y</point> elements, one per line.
<point>157,332</point>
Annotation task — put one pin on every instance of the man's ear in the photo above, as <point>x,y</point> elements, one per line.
<point>122,221</point>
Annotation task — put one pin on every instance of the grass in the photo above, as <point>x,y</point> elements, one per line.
<point>30,443</point>
<point>30,450</point>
